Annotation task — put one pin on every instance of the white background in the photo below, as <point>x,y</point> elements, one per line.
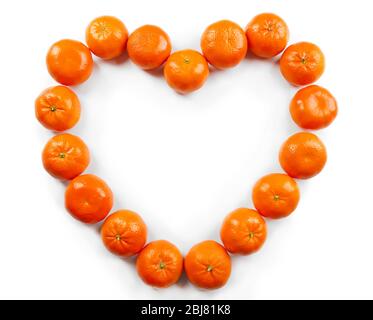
<point>184,162</point>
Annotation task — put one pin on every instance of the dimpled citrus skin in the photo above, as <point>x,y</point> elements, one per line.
<point>57,108</point>
<point>186,71</point>
<point>160,264</point>
<point>208,265</point>
<point>65,156</point>
<point>303,155</point>
<point>149,47</point>
<point>313,108</point>
<point>107,37</point>
<point>267,35</point>
<point>124,233</point>
<point>302,63</point>
<point>243,231</point>
<point>69,62</point>
<point>276,195</point>
<point>88,199</point>
<point>224,44</point>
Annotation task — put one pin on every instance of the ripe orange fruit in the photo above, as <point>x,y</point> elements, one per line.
<point>69,62</point>
<point>276,196</point>
<point>303,155</point>
<point>107,37</point>
<point>244,231</point>
<point>186,71</point>
<point>302,63</point>
<point>160,264</point>
<point>65,156</point>
<point>208,265</point>
<point>313,108</point>
<point>224,44</point>
<point>149,47</point>
<point>88,199</point>
<point>57,108</point>
<point>124,233</point>
<point>267,35</point>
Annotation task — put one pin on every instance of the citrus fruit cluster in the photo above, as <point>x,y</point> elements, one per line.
<point>224,44</point>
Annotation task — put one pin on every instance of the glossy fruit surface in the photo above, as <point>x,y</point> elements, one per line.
<point>186,71</point>
<point>267,35</point>
<point>160,264</point>
<point>208,265</point>
<point>124,233</point>
<point>303,155</point>
<point>313,108</point>
<point>244,231</point>
<point>88,199</point>
<point>149,47</point>
<point>224,44</point>
<point>65,156</point>
<point>276,195</point>
<point>69,62</point>
<point>107,37</point>
<point>302,63</point>
<point>57,108</point>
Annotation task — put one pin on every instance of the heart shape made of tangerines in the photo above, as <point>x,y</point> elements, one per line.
<point>224,45</point>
